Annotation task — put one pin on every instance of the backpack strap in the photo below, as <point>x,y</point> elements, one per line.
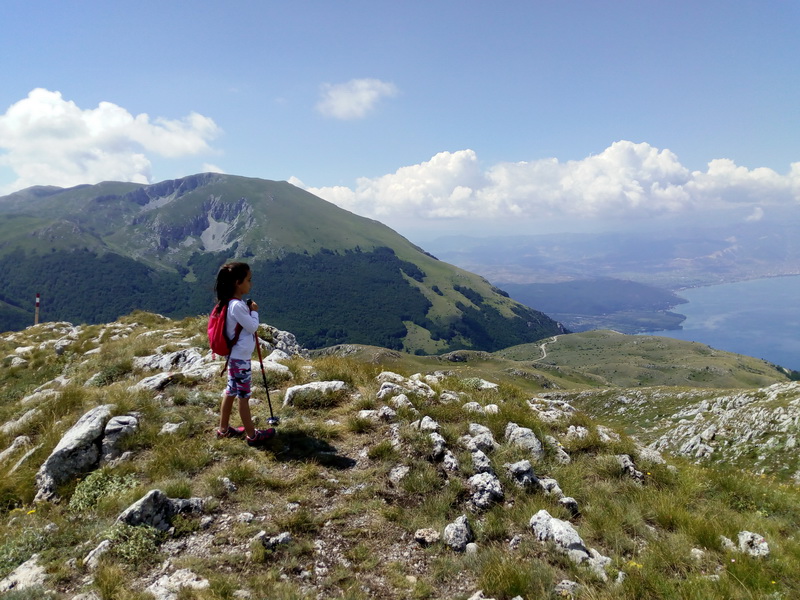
<point>236,332</point>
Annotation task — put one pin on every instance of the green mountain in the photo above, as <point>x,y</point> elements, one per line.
<point>96,252</point>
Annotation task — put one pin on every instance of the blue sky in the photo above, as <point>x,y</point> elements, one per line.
<point>442,116</point>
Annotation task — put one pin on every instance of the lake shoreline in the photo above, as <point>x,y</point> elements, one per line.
<point>755,317</point>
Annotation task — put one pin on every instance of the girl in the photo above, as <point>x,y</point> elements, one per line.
<point>233,282</point>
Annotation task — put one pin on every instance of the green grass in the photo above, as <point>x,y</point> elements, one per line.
<point>634,361</point>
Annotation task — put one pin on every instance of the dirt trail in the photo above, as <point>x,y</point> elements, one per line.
<point>543,347</point>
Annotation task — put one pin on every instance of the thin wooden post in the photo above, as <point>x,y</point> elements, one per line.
<point>36,312</point>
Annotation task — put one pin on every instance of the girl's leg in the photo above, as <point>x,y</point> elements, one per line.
<point>225,412</point>
<point>244,415</point>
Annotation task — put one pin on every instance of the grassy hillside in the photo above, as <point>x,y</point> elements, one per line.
<point>329,481</point>
<point>629,361</point>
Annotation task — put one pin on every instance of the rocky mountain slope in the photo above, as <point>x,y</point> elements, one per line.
<point>755,430</point>
<point>465,475</point>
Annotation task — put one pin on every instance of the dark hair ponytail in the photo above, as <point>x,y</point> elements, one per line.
<point>229,275</point>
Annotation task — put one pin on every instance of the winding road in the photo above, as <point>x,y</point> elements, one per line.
<point>543,347</point>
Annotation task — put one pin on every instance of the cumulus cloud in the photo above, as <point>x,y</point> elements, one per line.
<point>212,168</point>
<point>354,99</point>
<point>626,180</point>
<point>46,139</point>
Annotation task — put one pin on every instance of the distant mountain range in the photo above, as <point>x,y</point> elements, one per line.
<point>625,280</point>
<point>96,252</point>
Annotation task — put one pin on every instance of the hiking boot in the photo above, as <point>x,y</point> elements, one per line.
<point>261,436</point>
<point>232,432</point>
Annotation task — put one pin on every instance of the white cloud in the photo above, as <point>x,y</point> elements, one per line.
<point>626,180</point>
<point>354,99</point>
<point>46,139</point>
<point>211,168</point>
<point>756,215</point>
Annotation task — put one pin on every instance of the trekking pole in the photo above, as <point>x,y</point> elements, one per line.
<point>273,420</point>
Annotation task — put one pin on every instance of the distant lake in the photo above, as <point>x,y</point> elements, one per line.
<point>759,318</point>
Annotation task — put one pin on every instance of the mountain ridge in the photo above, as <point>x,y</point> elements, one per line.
<point>176,233</point>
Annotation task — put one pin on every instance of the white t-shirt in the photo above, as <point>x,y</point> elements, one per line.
<point>239,313</point>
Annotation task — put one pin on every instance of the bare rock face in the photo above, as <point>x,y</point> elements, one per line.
<point>77,452</point>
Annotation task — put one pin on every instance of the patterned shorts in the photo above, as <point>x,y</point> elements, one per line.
<point>238,378</point>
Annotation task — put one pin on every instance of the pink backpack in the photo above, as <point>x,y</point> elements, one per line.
<point>219,342</point>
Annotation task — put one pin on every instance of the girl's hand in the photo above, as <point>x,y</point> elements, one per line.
<point>253,305</point>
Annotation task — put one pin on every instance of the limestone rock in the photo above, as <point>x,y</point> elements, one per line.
<point>328,390</point>
<point>277,540</point>
<point>458,534</point>
<point>485,489</point>
<point>21,423</point>
<point>566,540</point>
<point>168,587</point>
<point>567,589</point>
<point>571,505</point>
<point>481,462</point>
<point>550,487</point>
<point>157,382</point>
<point>77,452</point>
<point>21,441</point>
<point>753,544</point>
<point>398,473</point>
<point>450,462</point>
<point>522,474</point>
<point>92,559</point>
<point>439,446</point>
<point>29,574</point>
<point>116,430</point>
<point>157,510</point>
<point>524,437</point>
<point>555,446</point>
<point>576,433</point>
<point>400,401</point>
<point>173,361</point>
<point>627,466</point>
<point>479,438</point>
<point>427,536</point>
<point>393,384</point>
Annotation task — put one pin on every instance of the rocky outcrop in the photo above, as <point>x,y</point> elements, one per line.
<point>318,393</point>
<point>523,437</point>
<point>458,534</point>
<point>29,574</point>
<point>567,541</point>
<point>94,439</point>
<point>764,424</point>
<point>168,587</point>
<point>77,452</point>
<point>155,509</point>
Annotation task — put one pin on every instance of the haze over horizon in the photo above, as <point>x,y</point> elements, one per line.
<point>434,118</point>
